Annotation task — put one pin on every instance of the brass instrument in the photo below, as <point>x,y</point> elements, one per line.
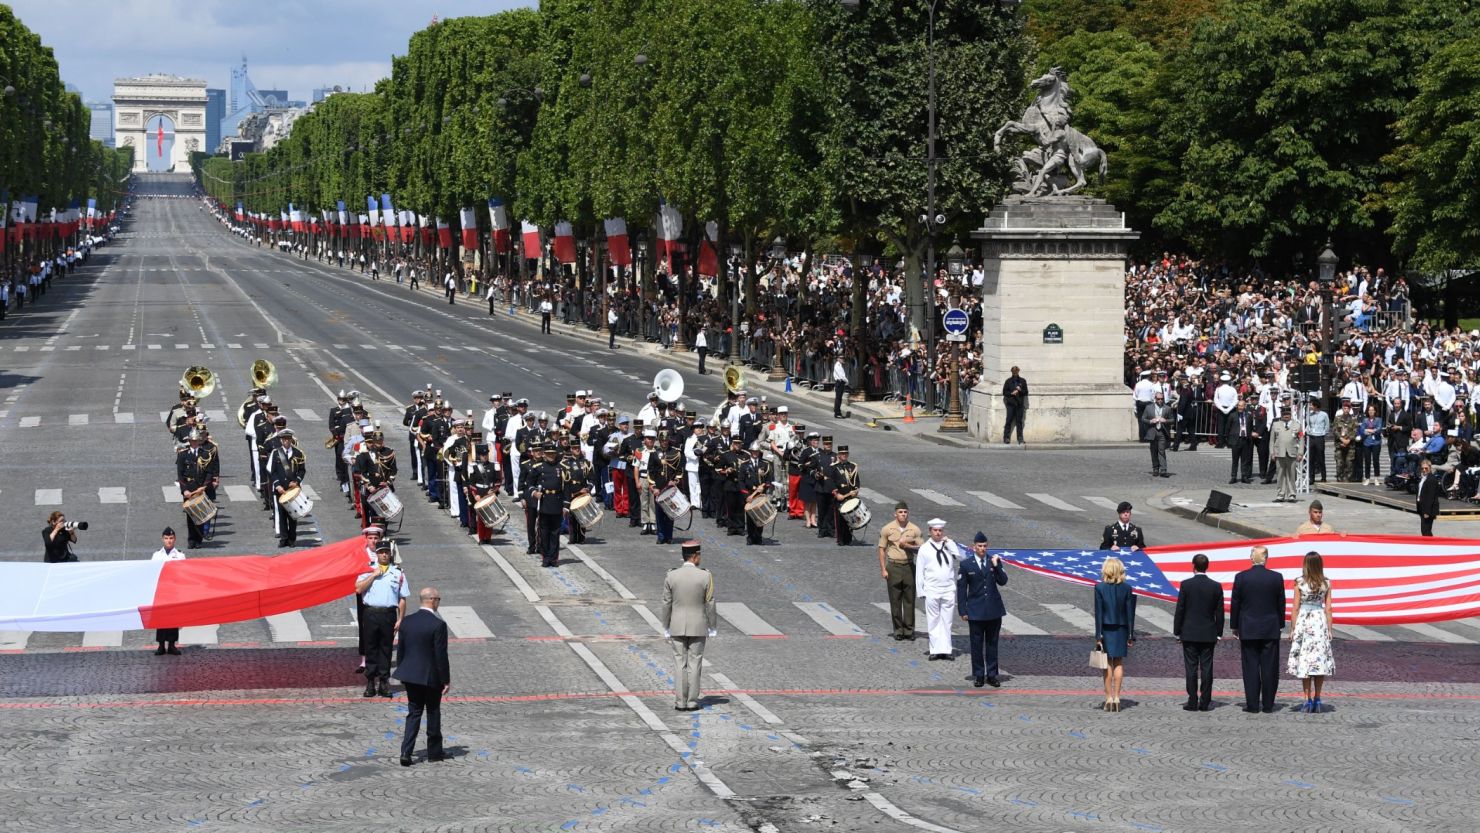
<point>264,374</point>
<point>329,443</point>
<point>198,381</point>
<point>668,384</point>
<point>734,379</point>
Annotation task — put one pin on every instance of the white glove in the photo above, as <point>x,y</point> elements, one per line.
<point>666,634</point>
<point>713,632</point>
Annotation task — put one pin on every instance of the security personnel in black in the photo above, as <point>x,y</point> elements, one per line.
<point>665,469</point>
<point>411,420</point>
<point>268,426</point>
<point>576,473</point>
<point>376,467</point>
<point>193,471</point>
<point>729,468</point>
<point>1123,535</point>
<point>821,471</point>
<point>844,481</point>
<point>285,469</point>
<point>757,475</point>
<point>718,449</point>
<point>527,440</point>
<point>628,451</point>
<point>547,495</point>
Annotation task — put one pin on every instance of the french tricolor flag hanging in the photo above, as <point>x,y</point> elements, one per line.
<point>374,208</point>
<point>670,228</point>
<point>239,212</point>
<point>565,243</point>
<point>469,222</point>
<point>343,214</point>
<point>428,230</point>
<point>617,246</point>
<point>708,255</point>
<point>498,220</point>
<point>444,234</point>
<point>364,227</point>
<point>534,247</point>
<point>387,211</point>
<point>408,227</point>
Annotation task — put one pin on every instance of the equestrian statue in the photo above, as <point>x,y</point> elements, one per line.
<point>1047,121</point>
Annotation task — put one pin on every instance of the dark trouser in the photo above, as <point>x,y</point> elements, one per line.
<point>421,698</point>
<point>549,540</point>
<point>1261,660</point>
<point>1197,663</point>
<point>665,524</point>
<point>984,633</point>
<point>578,535</point>
<point>706,494</point>
<point>490,303</point>
<point>703,351</point>
<point>634,498</point>
<point>1158,446</point>
<point>531,530</point>
<point>508,469</point>
<point>1370,459</point>
<point>545,322</point>
<point>167,636</point>
<point>1426,526</point>
<point>734,512</point>
<point>611,337</point>
<point>193,533</point>
<point>840,390</point>
<point>841,529</point>
<point>1187,430</point>
<point>1014,420</point>
<point>341,469</point>
<point>1243,458</point>
<point>287,525</point>
<point>380,632</point>
<point>1317,457</point>
<point>901,584</point>
<point>825,515</point>
<point>753,532</point>
<point>451,294</point>
<point>1263,445</point>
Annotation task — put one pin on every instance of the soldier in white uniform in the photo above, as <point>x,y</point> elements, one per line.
<point>1225,399</point>
<point>937,566</point>
<point>693,449</point>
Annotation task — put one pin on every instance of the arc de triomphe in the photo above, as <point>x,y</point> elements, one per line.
<point>181,101</point>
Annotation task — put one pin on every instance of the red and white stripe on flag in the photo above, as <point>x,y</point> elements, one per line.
<point>670,227</point>
<point>444,234</point>
<point>498,221</point>
<point>565,243</point>
<point>469,221</point>
<point>708,256</point>
<point>617,245</point>
<point>533,245</point>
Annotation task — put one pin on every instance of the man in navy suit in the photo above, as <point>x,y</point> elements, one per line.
<point>421,664</point>
<point>1257,615</point>
<point>981,606</point>
<point>1198,622</point>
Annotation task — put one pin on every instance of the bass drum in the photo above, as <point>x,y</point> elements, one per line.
<point>854,513</point>
<point>385,503</point>
<point>492,513</point>
<point>760,510</point>
<point>586,511</point>
<point>296,503</point>
<point>673,503</point>
<point>200,509</point>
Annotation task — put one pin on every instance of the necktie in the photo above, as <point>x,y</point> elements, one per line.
<point>940,555</point>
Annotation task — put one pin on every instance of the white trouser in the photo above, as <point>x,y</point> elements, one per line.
<point>940,614</point>
<point>694,496</point>
<point>454,494</point>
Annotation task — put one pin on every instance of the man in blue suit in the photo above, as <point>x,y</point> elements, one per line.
<point>1256,615</point>
<point>981,606</point>
<point>421,664</point>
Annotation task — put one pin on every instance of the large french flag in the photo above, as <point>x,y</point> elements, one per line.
<point>708,255</point>
<point>670,228</point>
<point>444,234</point>
<point>469,222</point>
<point>617,245</point>
<point>133,595</point>
<point>373,208</point>
<point>534,247</point>
<point>498,220</point>
<point>387,211</point>
<point>565,243</point>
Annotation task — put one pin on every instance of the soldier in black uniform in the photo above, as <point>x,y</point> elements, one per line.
<point>193,467</point>
<point>484,479</point>
<point>628,451</point>
<point>729,469</point>
<point>845,481</point>
<point>435,429</point>
<point>600,460</point>
<point>529,475</point>
<point>1123,535</point>
<point>826,522</point>
<point>750,423</point>
<point>576,473</point>
<point>376,467</point>
<point>411,419</point>
<point>339,417</point>
<point>665,469</point>
<point>268,426</point>
<point>806,457</point>
<point>756,475</point>
<point>172,418</point>
<point>547,495</point>
<point>285,468</point>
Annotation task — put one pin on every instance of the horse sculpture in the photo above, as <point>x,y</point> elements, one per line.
<point>1059,145</point>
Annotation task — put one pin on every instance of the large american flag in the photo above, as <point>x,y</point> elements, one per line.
<point>1375,579</point>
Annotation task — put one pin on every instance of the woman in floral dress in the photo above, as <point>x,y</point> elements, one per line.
<point>1310,632</point>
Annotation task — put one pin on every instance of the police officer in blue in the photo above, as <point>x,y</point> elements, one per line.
<point>980,603</point>
<point>384,591</point>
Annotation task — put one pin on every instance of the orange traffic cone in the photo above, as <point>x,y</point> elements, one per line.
<point>909,410</point>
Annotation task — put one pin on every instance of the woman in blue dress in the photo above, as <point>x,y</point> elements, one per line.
<point>1115,626</point>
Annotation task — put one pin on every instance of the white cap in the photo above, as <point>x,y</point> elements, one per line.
<point>936,523</point>
<point>783,410</point>
<point>580,393</point>
<point>649,433</point>
<point>1225,378</point>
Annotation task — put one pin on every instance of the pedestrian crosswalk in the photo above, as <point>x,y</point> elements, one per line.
<point>232,345</point>
<point>168,492</point>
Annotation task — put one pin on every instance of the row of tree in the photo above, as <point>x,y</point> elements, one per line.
<point>45,151</point>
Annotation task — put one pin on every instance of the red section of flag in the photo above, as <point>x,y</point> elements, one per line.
<point>159,141</point>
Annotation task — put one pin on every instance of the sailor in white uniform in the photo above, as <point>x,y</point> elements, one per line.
<point>937,566</point>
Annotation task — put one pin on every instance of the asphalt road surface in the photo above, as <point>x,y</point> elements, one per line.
<point>560,716</point>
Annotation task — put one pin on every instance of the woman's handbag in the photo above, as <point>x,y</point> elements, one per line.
<point>1097,659</point>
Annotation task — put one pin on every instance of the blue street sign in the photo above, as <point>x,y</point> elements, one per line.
<point>956,321</point>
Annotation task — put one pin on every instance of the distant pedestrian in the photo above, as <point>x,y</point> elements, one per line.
<point>701,345</point>
<point>611,327</point>
<point>980,603</point>
<point>166,638</point>
<point>1256,614</point>
<point>449,283</point>
<point>937,566</point>
<point>1157,420</point>
<point>1115,626</point>
<point>422,666</point>
<point>1015,403</point>
<point>547,308</point>
<point>689,619</point>
<point>1310,632</point>
<point>1198,624</point>
<point>840,385</point>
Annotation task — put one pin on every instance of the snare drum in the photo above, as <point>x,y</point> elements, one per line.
<point>760,510</point>
<point>673,502</point>
<point>586,511</point>
<point>200,509</point>
<point>385,503</point>
<point>295,503</point>
<point>491,512</point>
<point>854,513</point>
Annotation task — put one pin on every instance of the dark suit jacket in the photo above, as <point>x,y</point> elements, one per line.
<point>1115,604</point>
<point>977,596</point>
<point>1230,429</point>
<point>1257,609</point>
<point>421,657</point>
<point>1428,495</point>
<point>1199,616</point>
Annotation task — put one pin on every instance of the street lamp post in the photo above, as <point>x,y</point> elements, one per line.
<point>737,252</point>
<point>1326,265</point>
<point>954,423</point>
<point>778,258</point>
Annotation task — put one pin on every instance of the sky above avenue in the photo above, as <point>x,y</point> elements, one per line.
<point>294,45</point>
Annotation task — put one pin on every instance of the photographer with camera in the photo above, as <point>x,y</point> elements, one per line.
<point>58,537</point>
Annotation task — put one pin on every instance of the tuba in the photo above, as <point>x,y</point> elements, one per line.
<point>264,375</point>
<point>734,378</point>
<point>198,382</point>
<point>668,384</point>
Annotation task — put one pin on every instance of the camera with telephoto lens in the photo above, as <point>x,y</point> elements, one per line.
<point>71,525</point>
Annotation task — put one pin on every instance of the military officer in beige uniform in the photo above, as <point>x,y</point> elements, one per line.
<point>1287,447</point>
<point>689,619</point>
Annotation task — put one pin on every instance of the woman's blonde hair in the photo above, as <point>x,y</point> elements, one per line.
<point>1113,572</point>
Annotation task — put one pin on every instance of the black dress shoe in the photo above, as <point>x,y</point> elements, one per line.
<point>1247,480</point>
<point>370,688</point>
<point>979,682</point>
<point>405,762</point>
<point>1248,710</point>
<point>1267,711</point>
<point>159,652</point>
<point>440,756</point>
<point>1232,480</point>
<point>1205,707</point>
<point>1189,707</point>
<point>172,650</point>
<point>385,687</point>
<point>994,682</point>
<point>934,657</point>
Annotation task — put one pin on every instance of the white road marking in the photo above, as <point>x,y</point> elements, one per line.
<point>112,494</point>
<point>1439,634</point>
<point>14,640</point>
<point>936,497</point>
<point>313,495</point>
<point>830,619</point>
<point>306,414</point>
<point>1018,627</point>
<point>123,418</point>
<point>999,502</point>
<point>743,619</point>
<point>288,627</point>
<point>48,497</point>
<point>1158,618</point>
<point>155,346</point>
<point>182,347</point>
<point>875,497</point>
<point>464,622</point>
<point>233,346</point>
<point>77,419</point>
<point>1073,615</point>
<point>73,348</point>
<point>1365,634</point>
<point>921,624</point>
<point>1102,502</point>
<point>238,491</point>
<point>30,421</point>
<point>21,348</point>
<point>102,639</point>
<point>171,493</point>
<point>1051,501</point>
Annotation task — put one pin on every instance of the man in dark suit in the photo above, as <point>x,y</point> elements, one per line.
<point>1257,615</point>
<point>421,664</point>
<point>980,603</point>
<point>1240,434</point>
<point>1198,623</point>
<point>1428,499</point>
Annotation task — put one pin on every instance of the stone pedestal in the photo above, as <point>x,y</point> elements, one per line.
<point>1053,304</point>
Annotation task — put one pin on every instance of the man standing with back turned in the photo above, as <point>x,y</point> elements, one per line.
<point>1256,615</point>
<point>689,619</point>
<point>421,665</point>
<point>1198,622</point>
